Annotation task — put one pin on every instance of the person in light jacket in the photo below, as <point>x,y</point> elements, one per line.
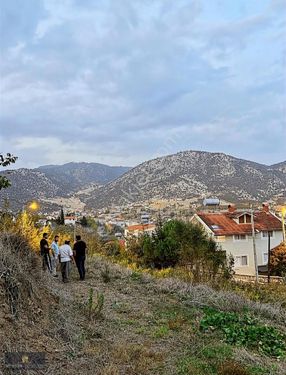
<point>65,258</point>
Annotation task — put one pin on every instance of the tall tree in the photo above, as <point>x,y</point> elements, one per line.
<point>84,221</point>
<point>6,160</point>
<point>61,218</point>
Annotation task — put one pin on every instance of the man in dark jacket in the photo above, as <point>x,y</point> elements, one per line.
<point>45,253</point>
<point>79,255</point>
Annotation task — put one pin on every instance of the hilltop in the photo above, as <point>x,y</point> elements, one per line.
<point>185,175</point>
<point>194,174</point>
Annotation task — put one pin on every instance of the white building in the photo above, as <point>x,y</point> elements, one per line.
<point>70,220</point>
<point>139,229</point>
<point>232,230</point>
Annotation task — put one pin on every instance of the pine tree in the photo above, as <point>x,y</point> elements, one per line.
<point>84,222</point>
<point>61,218</point>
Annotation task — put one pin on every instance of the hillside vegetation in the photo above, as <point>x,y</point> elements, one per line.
<point>123,321</point>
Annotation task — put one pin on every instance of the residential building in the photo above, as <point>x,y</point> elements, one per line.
<point>70,220</point>
<point>232,230</point>
<point>138,229</point>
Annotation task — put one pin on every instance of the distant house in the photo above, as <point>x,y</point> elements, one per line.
<point>138,229</point>
<point>70,220</point>
<point>232,230</point>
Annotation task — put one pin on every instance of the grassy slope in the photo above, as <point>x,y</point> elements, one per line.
<point>147,327</point>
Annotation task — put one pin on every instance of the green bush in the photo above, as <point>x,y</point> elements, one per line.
<point>178,243</point>
<point>245,330</point>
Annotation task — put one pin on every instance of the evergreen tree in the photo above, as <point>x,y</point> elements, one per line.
<point>61,218</point>
<point>84,221</point>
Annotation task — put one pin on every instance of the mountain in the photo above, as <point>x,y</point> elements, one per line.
<point>192,174</point>
<point>279,167</point>
<point>188,174</point>
<point>51,181</point>
<point>72,177</point>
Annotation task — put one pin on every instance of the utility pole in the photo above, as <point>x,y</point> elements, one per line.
<point>269,251</point>
<point>254,245</point>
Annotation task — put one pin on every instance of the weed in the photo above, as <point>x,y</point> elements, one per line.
<point>161,331</point>
<point>95,309</point>
<point>245,330</point>
<point>105,274</point>
<point>232,368</point>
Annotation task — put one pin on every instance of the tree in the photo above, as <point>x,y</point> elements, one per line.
<point>6,160</point>
<point>61,218</point>
<point>179,243</point>
<point>278,260</point>
<point>83,221</point>
<point>25,226</point>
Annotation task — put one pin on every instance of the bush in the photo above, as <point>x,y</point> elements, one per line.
<point>179,243</point>
<point>19,272</point>
<point>244,330</point>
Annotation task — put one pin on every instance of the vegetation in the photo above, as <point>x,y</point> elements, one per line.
<point>245,330</point>
<point>149,326</point>
<point>278,260</point>
<point>94,309</point>
<point>178,243</point>
<point>61,219</point>
<point>6,160</point>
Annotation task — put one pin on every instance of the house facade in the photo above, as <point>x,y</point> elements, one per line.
<point>139,229</point>
<point>232,230</point>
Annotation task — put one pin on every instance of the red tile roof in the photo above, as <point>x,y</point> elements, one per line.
<point>141,227</point>
<point>223,224</point>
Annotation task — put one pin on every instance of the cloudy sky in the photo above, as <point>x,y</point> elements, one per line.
<point>123,81</point>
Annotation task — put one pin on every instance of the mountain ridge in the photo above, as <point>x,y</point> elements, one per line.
<point>186,174</point>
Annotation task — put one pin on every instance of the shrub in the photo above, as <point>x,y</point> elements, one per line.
<point>94,309</point>
<point>244,330</point>
<point>19,272</point>
<point>177,242</point>
<point>232,368</point>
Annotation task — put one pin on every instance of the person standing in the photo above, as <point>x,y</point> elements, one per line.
<point>55,252</point>
<point>65,258</point>
<point>45,253</point>
<point>80,254</point>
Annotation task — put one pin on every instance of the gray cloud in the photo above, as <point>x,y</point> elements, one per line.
<point>112,81</point>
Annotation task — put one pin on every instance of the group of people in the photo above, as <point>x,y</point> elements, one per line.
<point>64,255</point>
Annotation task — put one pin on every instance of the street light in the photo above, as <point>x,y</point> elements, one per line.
<point>34,206</point>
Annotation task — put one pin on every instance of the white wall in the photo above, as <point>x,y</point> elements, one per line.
<point>245,247</point>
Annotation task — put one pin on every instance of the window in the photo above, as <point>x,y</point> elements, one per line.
<point>215,227</point>
<point>265,258</point>
<point>244,219</point>
<point>241,260</point>
<point>240,237</point>
<point>264,234</point>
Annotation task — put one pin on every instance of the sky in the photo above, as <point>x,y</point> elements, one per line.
<point>123,81</point>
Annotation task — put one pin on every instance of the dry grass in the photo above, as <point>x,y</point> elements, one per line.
<point>149,326</point>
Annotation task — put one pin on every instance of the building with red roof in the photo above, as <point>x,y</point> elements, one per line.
<point>232,230</point>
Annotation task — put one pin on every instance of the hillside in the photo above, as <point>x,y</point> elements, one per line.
<point>193,174</point>
<point>188,174</point>
<point>52,182</point>
<point>72,177</point>
<point>279,167</point>
<point>147,326</point>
